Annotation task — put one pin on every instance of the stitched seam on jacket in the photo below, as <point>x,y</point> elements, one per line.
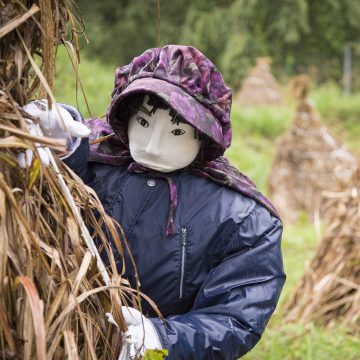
<point>274,226</point>
<point>136,217</point>
<point>118,193</point>
<point>236,231</point>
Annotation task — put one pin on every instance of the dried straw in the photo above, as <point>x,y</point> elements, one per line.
<point>52,298</point>
<point>308,160</point>
<point>260,86</point>
<point>329,291</point>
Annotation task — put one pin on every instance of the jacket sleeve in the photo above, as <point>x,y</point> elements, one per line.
<point>78,161</point>
<point>77,158</point>
<point>236,299</point>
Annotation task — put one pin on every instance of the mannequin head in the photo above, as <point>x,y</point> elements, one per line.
<point>188,82</point>
<point>159,138</point>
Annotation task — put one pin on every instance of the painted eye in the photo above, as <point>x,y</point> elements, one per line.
<point>178,132</point>
<point>144,123</point>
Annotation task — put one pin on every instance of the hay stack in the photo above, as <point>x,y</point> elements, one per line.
<point>308,160</point>
<point>329,291</point>
<point>260,87</point>
<point>52,297</point>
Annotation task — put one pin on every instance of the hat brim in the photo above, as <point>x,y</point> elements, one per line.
<point>184,104</point>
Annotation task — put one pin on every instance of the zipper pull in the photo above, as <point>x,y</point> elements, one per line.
<point>183,232</point>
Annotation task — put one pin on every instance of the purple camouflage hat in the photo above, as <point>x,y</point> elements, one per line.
<point>188,82</point>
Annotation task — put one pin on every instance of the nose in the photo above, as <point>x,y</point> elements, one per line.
<point>153,146</point>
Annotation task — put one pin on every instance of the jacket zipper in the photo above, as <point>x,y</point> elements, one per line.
<point>183,260</point>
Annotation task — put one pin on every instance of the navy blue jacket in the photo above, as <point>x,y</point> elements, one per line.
<point>217,280</point>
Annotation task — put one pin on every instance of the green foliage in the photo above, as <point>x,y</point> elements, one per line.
<point>206,30</point>
<point>305,342</point>
<point>254,132</point>
<point>155,354</point>
<point>237,58</point>
<point>299,35</point>
<point>252,156</point>
<point>299,244</point>
<point>268,122</point>
<point>341,113</point>
<point>120,30</point>
<point>97,81</point>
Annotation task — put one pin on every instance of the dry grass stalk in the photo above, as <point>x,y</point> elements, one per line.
<point>52,297</point>
<point>329,291</point>
<point>39,32</point>
<point>308,160</point>
<point>260,86</point>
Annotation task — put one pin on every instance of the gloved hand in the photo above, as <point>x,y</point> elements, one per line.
<point>141,334</point>
<point>56,123</point>
<point>25,158</point>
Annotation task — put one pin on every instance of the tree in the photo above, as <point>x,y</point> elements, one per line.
<point>296,34</point>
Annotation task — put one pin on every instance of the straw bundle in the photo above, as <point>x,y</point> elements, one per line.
<point>260,87</point>
<point>308,160</point>
<point>36,25</point>
<point>52,297</point>
<point>329,291</point>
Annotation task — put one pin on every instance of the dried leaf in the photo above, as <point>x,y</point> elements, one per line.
<point>36,306</point>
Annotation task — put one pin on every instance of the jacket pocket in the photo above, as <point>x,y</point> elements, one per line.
<point>183,248</point>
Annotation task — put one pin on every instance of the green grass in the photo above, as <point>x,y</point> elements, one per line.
<point>340,113</point>
<point>97,81</point>
<point>252,151</point>
<point>298,342</point>
<point>266,122</point>
<point>254,134</point>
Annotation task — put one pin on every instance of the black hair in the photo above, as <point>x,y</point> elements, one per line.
<point>133,103</point>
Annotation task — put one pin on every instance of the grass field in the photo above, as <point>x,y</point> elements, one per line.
<point>255,132</point>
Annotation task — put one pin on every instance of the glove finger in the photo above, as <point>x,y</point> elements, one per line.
<point>44,157</point>
<point>63,118</point>
<point>78,129</point>
<point>111,319</point>
<point>131,315</point>
<point>21,159</point>
<point>38,109</point>
<point>28,157</point>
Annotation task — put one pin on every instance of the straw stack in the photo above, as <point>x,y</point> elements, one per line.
<point>329,291</point>
<point>308,160</point>
<point>52,297</point>
<point>260,86</point>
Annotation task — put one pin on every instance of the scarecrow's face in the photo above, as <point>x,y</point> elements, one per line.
<point>159,142</point>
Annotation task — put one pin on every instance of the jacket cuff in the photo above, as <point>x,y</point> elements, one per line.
<point>76,115</point>
<point>78,155</point>
<point>72,147</point>
<point>159,326</point>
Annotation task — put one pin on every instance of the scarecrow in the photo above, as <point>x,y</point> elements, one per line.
<point>205,242</point>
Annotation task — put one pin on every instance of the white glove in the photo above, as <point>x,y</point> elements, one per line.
<point>141,334</point>
<point>55,123</point>
<point>25,158</point>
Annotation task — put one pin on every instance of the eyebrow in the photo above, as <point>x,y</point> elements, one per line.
<point>177,119</point>
<point>145,110</point>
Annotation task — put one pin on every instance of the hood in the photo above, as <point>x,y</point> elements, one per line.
<point>188,82</point>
